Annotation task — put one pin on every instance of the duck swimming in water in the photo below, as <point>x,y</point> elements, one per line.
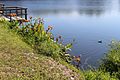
<point>99,41</point>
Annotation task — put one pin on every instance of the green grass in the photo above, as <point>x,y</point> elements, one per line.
<point>19,62</point>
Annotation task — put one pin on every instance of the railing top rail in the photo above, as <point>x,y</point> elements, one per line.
<point>13,7</point>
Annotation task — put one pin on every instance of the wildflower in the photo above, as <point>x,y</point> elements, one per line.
<point>69,49</point>
<point>52,37</point>
<point>77,58</point>
<point>52,40</point>
<point>50,27</point>
<point>60,37</point>
<point>46,31</point>
<point>24,20</point>
<point>30,17</point>
<point>39,18</point>
<point>12,14</point>
<point>66,54</point>
<point>17,27</point>
<point>42,20</point>
<point>32,28</point>
<point>56,39</point>
<point>60,44</point>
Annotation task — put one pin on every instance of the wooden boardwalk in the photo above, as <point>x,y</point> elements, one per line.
<point>13,13</point>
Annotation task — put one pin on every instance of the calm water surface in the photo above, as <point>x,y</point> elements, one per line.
<point>86,21</point>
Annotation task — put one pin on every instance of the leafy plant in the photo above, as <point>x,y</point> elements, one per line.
<point>98,75</point>
<point>42,41</point>
<point>111,62</point>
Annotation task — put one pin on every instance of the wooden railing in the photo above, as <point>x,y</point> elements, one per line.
<point>7,11</point>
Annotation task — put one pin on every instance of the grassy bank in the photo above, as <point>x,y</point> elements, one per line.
<point>18,60</point>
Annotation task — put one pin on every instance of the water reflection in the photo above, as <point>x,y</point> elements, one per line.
<point>119,4</point>
<point>93,7</point>
<point>44,7</point>
<point>87,7</point>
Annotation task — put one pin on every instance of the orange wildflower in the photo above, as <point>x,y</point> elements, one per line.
<point>30,17</point>
<point>50,27</point>
<point>56,39</point>
<point>60,37</point>
<point>26,20</point>
<point>12,14</point>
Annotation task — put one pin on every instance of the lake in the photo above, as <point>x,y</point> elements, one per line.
<point>86,21</point>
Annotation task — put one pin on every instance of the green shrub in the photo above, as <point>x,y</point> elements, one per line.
<point>98,75</point>
<point>111,62</point>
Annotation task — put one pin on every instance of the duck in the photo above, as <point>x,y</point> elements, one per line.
<point>99,41</point>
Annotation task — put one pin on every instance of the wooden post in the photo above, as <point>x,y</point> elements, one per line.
<point>10,16</point>
<point>3,9</point>
<point>21,12</point>
<point>26,13</point>
<point>16,12</point>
